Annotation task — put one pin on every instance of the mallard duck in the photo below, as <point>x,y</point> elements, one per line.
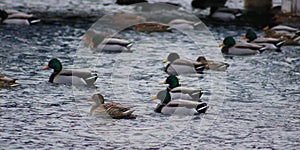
<point>114,110</point>
<point>269,43</point>
<point>179,106</point>
<point>68,76</point>
<point>178,92</point>
<point>290,35</point>
<point>105,42</point>
<point>18,18</point>
<point>282,29</point>
<point>225,14</point>
<point>230,47</point>
<point>152,27</point>
<point>213,65</point>
<point>6,82</point>
<point>183,24</point>
<point>179,66</point>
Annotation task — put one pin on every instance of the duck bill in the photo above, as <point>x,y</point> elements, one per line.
<point>153,98</point>
<point>164,82</point>
<point>45,68</point>
<point>266,28</point>
<point>243,37</point>
<point>222,44</point>
<point>164,61</point>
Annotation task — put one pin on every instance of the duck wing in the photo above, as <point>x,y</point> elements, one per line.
<point>248,46</point>
<point>87,76</point>
<point>193,93</point>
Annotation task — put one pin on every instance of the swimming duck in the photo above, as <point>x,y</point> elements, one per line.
<point>6,82</point>
<point>152,27</point>
<point>114,110</point>
<point>178,92</point>
<point>282,29</point>
<point>230,47</point>
<point>225,14</point>
<point>68,76</point>
<point>105,42</point>
<point>179,106</point>
<point>291,37</point>
<point>179,66</point>
<point>213,65</point>
<point>183,24</point>
<point>269,43</point>
<point>110,44</point>
<point>17,18</point>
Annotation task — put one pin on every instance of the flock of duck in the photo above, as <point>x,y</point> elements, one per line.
<point>175,98</point>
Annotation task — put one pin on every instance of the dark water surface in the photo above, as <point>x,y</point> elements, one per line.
<point>253,105</point>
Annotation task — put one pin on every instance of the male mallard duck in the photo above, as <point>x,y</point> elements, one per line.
<point>6,82</point>
<point>230,47</point>
<point>183,24</point>
<point>213,65</point>
<point>269,43</point>
<point>68,76</point>
<point>225,14</point>
<point>179,106</point>
<point>178,92</point>
<point>105,42</point>
<point>114,110</point>
<point>18,18</point>
<point>152,27</point>
<point>179,66</point>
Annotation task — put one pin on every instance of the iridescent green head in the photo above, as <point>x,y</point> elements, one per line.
<point>55,64</point>
<point>172,81</point>
<point>229,41</point>
<point>251,35</point>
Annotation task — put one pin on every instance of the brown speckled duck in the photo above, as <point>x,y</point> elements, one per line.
<point>213,65</point>
<point>114,110</point>
<point>6,82</point>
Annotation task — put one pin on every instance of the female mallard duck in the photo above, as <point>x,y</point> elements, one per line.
<point>269,43</point>
<point>179,66</point>
<point>225,14</point>
<point>152,27</point>
<point>179,106</point>
<point>178,92</point>
<point>213,65</point>
<point>290,35</point>
<point>18,18</point>
<point>114,110</point>
<point>68,76</point>
<point>230,47</point>
<point>105,43</point>
<point>281,29</point>
<point>6,82</point>
<point>183,24</point>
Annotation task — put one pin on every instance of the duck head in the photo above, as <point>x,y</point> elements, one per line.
<point>164,96</point>
<point>97,98</point>
<point>3,15</point>
<point>54,64</point>
<point>172,81</point>
<point>202,59</point>
<point>228,42</point>
<point>171,57</point>
<point>250,35</point>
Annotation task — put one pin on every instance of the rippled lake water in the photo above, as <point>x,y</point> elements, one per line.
<point>253,105</point>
